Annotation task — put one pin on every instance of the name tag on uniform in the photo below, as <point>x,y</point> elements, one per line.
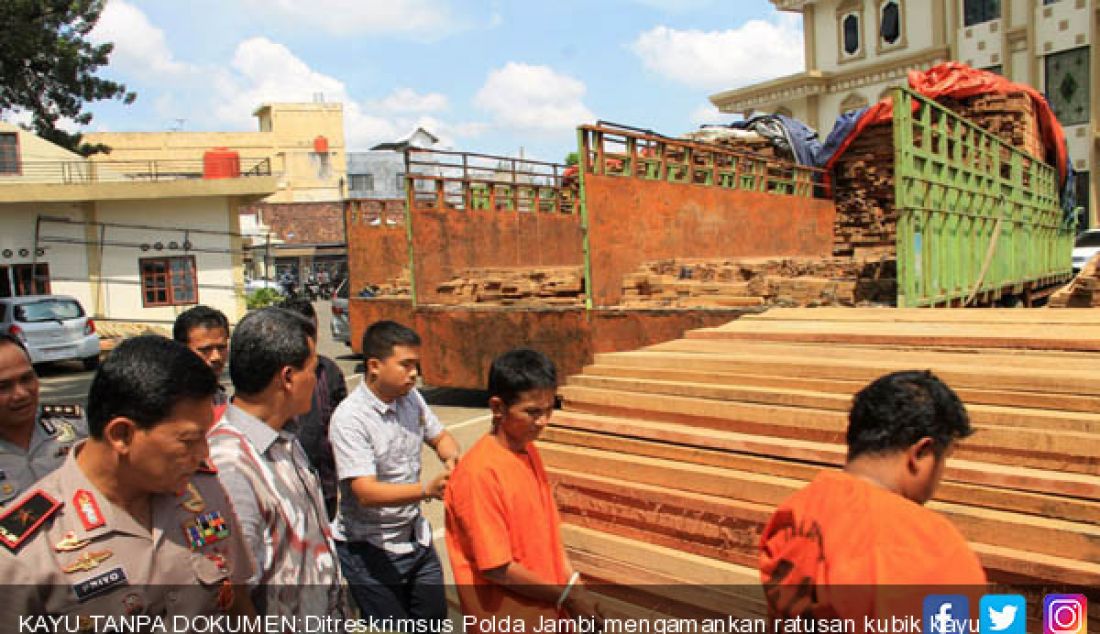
<point>99,584</point>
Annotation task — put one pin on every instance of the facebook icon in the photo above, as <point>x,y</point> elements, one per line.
<point>946,614</point>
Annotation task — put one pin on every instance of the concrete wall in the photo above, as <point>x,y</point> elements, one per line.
<point>916,32</point>
<point>384,166</point>
<point>286,136</point>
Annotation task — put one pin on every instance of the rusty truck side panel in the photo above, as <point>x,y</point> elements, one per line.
<point>378,248</point>
<point>447,241</point>
<point>633,221</point>
<point>364,312</point>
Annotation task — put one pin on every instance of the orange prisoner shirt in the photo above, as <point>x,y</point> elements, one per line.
<point>500,510</point>
<point>830,549</point>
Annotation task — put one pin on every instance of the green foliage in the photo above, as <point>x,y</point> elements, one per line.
<point>48,66</point>
<point>572,158</point>
<point>262,298</point>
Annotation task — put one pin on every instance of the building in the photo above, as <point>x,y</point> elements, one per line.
<point>133,241</point>
<point>380,173</point>
<point>856,50</point>
<point>301,143</point>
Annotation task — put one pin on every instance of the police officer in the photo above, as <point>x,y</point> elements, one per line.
<point>33,441</point>
<point>126,526</point>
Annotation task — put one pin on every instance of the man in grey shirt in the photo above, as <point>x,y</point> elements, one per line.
<point>384,543</point>
<point>34,440</point>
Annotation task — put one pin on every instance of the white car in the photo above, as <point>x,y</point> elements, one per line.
<point>1086,246</point>
<point>52,327</point>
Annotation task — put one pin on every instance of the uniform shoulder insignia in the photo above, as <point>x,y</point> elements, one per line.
<point>25,517</point>
<point>206,466</point>
<point>63,411</point>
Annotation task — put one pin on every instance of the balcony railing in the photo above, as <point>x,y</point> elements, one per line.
<point>87,172</point>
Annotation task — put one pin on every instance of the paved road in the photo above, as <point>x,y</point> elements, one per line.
<point>463,412</point>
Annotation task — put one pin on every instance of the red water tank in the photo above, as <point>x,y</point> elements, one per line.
<point>320,145</point>
<point>221,162</point>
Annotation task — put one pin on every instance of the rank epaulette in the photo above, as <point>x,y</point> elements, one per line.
<point>63,411</point>
<point>25,517</point>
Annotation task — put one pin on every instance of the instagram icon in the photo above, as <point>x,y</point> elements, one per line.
<point>1064,614</point>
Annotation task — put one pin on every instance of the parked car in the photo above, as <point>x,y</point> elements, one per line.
<point>341,328</point>
<point>53,327</point>
<point>1086,246</point>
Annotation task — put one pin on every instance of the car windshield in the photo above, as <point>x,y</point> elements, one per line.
<point>48,310</point>
<point>1088,239</point>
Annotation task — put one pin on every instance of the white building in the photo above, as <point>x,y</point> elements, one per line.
<point>855,50</point>
<point>133,241</point>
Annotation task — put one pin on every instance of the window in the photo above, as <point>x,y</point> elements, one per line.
<point>1067,85</point>
<point>890,22</point>
<point>48,310</point>
<point>17,280</point>
<point>850,34</point>
<point>361,182</point>
<point>9,153</point>
<point>401,182</point>
<point>168,281</point>
<point>978,11</point>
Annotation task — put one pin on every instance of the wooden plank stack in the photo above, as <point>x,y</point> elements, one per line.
<point>702,283</point>
<point>866,218</point>
<point>400,286</point>
<point>668,460</point>
<point>1010,116</point>
<point>1083,291</point>
<point>515,286</point>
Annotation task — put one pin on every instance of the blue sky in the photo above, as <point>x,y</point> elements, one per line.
<point>485,75</point>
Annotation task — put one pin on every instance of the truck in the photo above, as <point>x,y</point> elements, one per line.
<point>669,234</point>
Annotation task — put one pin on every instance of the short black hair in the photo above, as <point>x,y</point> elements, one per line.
<point>381,337</point>
<point>16,341</point>
<point>264,342</point>
<point>301,306</point>
<point>897,410</point>
<point>143,379</point>
<point>198,317</point>
<point>518,371</point>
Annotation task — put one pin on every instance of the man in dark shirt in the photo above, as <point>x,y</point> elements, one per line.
<point>312,427</point>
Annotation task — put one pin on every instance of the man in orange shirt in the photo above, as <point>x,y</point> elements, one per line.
<point>503,529</point>
<point>830,549</point>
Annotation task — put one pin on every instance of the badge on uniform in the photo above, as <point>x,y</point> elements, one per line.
<point>87,561</point>
<point>87,508</point>
<point>206,529</point>
<point>25,517</point>
<point>194,502</point>
<point>66,433</point>
<point>70,543</point>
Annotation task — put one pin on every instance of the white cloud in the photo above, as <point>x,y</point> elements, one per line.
<point>676,5</point>
<point>429,19</point>
<point>721,60</point>
<point>707,113</point>
<point>533,99</point>
<point>405,100</point>
<point>141,49</point>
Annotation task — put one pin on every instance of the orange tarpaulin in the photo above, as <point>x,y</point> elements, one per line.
<point>959,81</point>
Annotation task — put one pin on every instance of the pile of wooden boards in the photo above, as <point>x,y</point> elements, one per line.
<point>399,286</point>
<point>667,461</point>
<point>517,286</point>
<point>702,283</point>
<point>1009,116</point>
<point>1083,291</point>
<point>866,220</point>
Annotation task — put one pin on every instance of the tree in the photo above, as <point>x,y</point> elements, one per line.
<point>48,66</point>
<point>572,158</point>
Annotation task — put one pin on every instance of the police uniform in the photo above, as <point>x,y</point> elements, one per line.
<point>56,429</point>
<point>77,554</point>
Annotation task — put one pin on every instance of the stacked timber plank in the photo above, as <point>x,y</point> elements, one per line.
<point>1010,116</point>
<point>669,460</point>
<point>1083,291</point>
<point>866,218</point>
<point>399,286</point>
<point>546,286</point>
<point>701,283</point>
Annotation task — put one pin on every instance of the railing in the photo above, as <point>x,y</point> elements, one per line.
<point>976,216</point>
<point>88,171</point>
<point>614,150</point>
<point>439,179</point>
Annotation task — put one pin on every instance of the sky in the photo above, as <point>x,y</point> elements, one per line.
<point>492,76</point>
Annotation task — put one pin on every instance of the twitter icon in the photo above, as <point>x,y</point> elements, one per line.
<point>1003,614</point>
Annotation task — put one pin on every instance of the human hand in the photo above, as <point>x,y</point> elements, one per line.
<point>583,603</point>
<point>437,486</point>
<point>450,463</point>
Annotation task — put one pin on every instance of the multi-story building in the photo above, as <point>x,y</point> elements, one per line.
<point>856,50</point>
<point>133,241</point>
